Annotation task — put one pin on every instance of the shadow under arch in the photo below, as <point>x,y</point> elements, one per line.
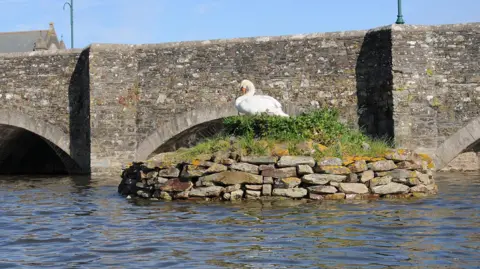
<point>465,139</point>
<point>57,139</point>
<point>186,129</point>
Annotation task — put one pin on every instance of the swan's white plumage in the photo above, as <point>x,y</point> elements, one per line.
<point>251,104</point>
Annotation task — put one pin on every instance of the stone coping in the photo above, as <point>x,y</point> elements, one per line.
<point>399,174</point>
<point>472,26</point>
<point>293,37</point>
<point>40,53</point>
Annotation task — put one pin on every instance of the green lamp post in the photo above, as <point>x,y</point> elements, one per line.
<point>399,15</point>
<point>71,20</point>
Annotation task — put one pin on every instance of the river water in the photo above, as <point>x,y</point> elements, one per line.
<point>83,223</point>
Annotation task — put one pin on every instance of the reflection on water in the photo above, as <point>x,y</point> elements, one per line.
<point>84,223</point>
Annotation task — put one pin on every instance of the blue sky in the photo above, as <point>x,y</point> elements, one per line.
<point>158,21</point>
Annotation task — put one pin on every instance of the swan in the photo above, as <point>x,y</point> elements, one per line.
<point>251,104</point>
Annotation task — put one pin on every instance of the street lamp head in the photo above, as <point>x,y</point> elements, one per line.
<point>70,5</point>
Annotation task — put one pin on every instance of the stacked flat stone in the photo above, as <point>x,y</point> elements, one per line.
<point>398,174</point>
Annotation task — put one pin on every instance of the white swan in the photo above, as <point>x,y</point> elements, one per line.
<point>251,104</point>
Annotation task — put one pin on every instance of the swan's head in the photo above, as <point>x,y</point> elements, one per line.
<point>247,86</point>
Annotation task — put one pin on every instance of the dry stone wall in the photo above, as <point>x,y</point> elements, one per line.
<point>401,173</point>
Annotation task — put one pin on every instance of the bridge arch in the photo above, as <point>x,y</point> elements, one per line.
<point>464,139</point>
<point>192,121</point>
<point>56,138</point>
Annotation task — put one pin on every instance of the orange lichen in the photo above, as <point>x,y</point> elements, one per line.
<point>335,169</point>
<point>351,159</point>
<point>280,150</point>
<point>321,147</point>
<point>196,162</point>
<point>347,160</point>
<point>425,157</point>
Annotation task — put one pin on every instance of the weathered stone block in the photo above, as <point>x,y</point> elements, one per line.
<point>216,168</point>
<point>233,178</point>
<point>287,182</point>
<point>258,160</point>
<point>253,187</point>
<point>419,188</point>
<point>227,196</point>
<point>280,172</point>
<point>171,172</point>
<point>233,188</point>
<point>267,180</point>
<point>245,167</point>
<point>213,191</point>
<point>315,196</point>
<point>379,166</point>
<point>390,188</point>
<point>334,183</point>
<point>304,169</point>
<point>177,185</point>
<point>292,193</point>
<point>266,167</point>
<point>322,179</point>
<point>333,169</point>
<point>380,181</point>
<point>352,178</point>
<point>236,195</point>
<point>192,171</point>
<point>329,161</point>
<point>399,155</point>
<point>322,189</point>
<point>250,194</point>
<point>357,188</point>
<point>358,166</point>
<point>289,161</point>
<point>367,176</point>
<point>266,189</point>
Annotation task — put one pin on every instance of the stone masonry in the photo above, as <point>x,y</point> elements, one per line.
<point>109,104</point>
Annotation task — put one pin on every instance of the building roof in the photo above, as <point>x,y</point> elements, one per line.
<point>26,41</point>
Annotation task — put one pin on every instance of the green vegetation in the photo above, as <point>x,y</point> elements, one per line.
<point>429,72</point>
<point>435,102</point>
<point>318,133</point>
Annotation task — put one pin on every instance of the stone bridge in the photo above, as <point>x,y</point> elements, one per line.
<point>92,110</point>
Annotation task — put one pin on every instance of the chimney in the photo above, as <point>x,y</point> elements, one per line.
<point>51,30</point>
<point>62,44</point>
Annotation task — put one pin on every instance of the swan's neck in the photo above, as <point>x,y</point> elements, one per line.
<point>251,90</point>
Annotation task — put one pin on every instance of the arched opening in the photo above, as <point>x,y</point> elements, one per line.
<point>177,132</point>
<point>191,136</point>
<point>464,140</point>
<point>23,152</point>
<point>33,146</point>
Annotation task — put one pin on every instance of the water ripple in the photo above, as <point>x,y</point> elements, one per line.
<point>50,222</point>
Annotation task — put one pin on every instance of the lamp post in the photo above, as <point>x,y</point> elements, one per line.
<point>399,15</point>
<point>70,4</point>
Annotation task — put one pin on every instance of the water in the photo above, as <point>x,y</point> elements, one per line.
<point>81,223</point>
